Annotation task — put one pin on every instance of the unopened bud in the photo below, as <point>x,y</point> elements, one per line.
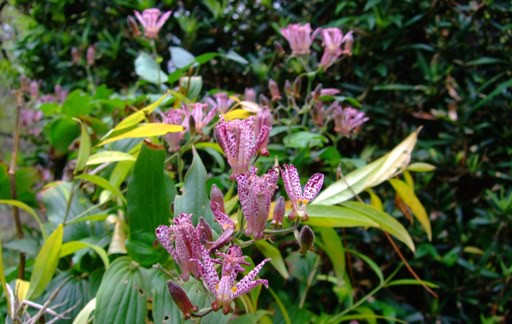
<point>264,101</point>
<point>279,49</point>
<point>263,118</point>
<point>278,215</point>
<point>75,55</point>
<point>217,197</point>
<point>132,25</point>
<point>288,91</point>
<point>179,296</point>
<point>306,239</point>
<point>297,85</point>
<point>349,43</point>
<point>317,92</point>
<point>192,125</point>
<point>24,84</point>
<point>274,90</point>
<point>91,53</point>
<point>250,94</point>
<point>34,89</point>
<point>205,232</point>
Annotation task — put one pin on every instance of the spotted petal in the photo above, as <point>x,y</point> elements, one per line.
<point>313,186</point>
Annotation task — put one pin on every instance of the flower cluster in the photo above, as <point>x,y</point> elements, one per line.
<point>335,43</point>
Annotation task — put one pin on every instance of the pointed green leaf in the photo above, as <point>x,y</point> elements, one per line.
<point>421,167</point>
<point>149,70</point>
<point>45,263</point>
<point>334,250</point>
<point>3,281</point>
<point>335,216</point>
<point>85,313</point>
<point>138,116</point>
<point>121,297</point>
<point>387,222</point>
<point>194,199</point>
<point>103,183</point>
<point>150,192</point>
<point>29,210</point>
<point>411,200</point>
<point>85,147</point>
<point>269,251</point>
<point>73,246</point>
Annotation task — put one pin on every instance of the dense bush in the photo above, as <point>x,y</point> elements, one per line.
<point>443,66</point>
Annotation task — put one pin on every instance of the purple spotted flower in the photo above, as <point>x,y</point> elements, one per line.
<point>174,117</point>
<point>228,227</point>
<point>197,115</point>
<point>300,198</point>
<point>299,37</point>
<point>333,39</point>
<point>152,20</point>
<point>348,121</point>
<point>181,240</point>
<point>241,140</point>
<point>220,101</point>
<point>226,289</point>
<point>255,194</point>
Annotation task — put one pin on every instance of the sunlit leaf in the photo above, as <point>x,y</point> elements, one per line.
<point>29,210</point>
<point>103,183</point>
<point>108,157</point>
<point>45,263</point>
<point>143,131</point>
<point>421,167</point>
<point>85,313</point>
<point>85,147</point>
<point>335,216</point>
<point>237,114</point>
<point>411,200</point>
<point>73,246</point>
<point>334,250</point>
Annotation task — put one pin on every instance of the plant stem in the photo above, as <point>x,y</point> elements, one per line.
<point>155,55</point>
<point>12,179</point>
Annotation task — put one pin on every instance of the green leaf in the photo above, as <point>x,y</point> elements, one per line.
<point>485,60</point>
<point>335,216</point>
<point>108,157</point>
<point>194,199</point>
<point>142,248</point>
<point>181,57</point>
<point>371,263</point>
<point>269,251</point>
<point>334,250</point>
<point>3,281</point>
<point>421,167</point>
<point>73,246</point>
<point>29,210</point>
<point>401,282</point>
<point>501,88</point>
<point>370,175</point>
<point>149,70</point>
<point>411,200</point>
<point>88,218</point>
<point>45,263</point>
<point>304,139</point>
<point>149,192</point>
<point>193,85</point>
<point>85,313</point>
<point>121,297</point>
<point>234,56</point>
<point>77,104</point>
<point>103,183</point>
<point>85,147</point>
<point>143,131</point>
<point>387,222</point>
<point>138,116</point>
<point>62,132</point>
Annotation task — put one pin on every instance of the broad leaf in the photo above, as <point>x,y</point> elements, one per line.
<point>143,131</point>
<point>194,199</point>
<point>149,192</point>
<point>335,216</point>
<point>149,70</point>
<point>181,57</point>
<point>270,251</point>
<point>121,297</point>
<point>45,263</point>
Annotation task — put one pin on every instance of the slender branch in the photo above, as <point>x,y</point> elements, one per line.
<point>12,179</point>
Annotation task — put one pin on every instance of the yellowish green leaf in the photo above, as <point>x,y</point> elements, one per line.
<point>237,114</point>
<point>421,167</point>
<point>473,250</point>
<point>29,210</point>
<point>146,130</point>
<point>85,313</point>
<point>270,251</point>
<point>335,216</point>
<point>103,183</point>
<point>108,157</point>
<point>73,246</point>
<point>85,147</point>
<point>375,200</point>
<point>138,116</point>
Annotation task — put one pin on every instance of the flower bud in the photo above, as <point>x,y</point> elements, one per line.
<point>279,49</point>
<point>179,296</point>
<point>264,101</point>
<point>205,232</point>
<point>34,89</point>
<point>317,92</point>
<point>217,197</point>
<point>75,55</point>
<point>134,28</point>
<point>306,239</point>
<point>91,53</point>
<point>274,90</point>
<point>349,42</point>
<point>263,118</point>
<point>192,125</point>
<point>297,85</point>
<point>278,215</point>
<point>250,94</point>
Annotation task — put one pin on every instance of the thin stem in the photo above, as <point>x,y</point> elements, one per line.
<point>310,280</point>
<point>12,180</point>
<point>284,231</point>
<point>68,203</point>
<point>155,55</point>
<point>204,313</point>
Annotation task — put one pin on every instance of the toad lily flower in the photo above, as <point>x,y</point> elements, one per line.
<point>197,116</point>
<point>240,141</point>
<point>332,39</point>
<point>255,195</point>
<point>299,37</point>
<point>227,224</point>
<point>225,289</point>
<point>174,117</point>
<point>181,240</point>
<point>221,101</point>
<point>152,20</point>
<point>299,198</point>
<point>348,121</point>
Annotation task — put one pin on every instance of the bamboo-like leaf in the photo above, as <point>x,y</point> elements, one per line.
<point>401,282</point>
<point>387,222</point>
<point>88,218</point>
<point>371,263</point>
<point>103,183</point>
<point>237,114</point>
<point>370,175</point>
<point>73,246</point>
<point>45,263</point>
<point>411,200</point>
<point>85,147</point>
<point>146,130</point>
<point>334,250</point>
<point>29,210</point>
<point>85,313</point>
<point>335,216</point>
<point>3,281</point>
<point>108,157</point>
<point>269,251</point>
<point>421,167</point>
